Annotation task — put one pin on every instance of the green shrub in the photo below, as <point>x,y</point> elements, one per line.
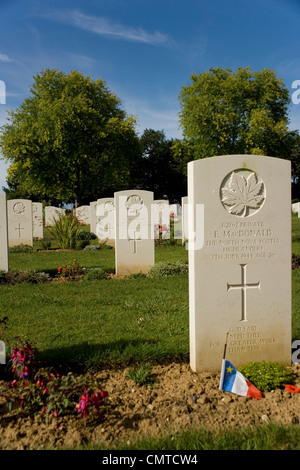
<point>142,375</point>
<point>71,270</point>
<point>86,236</point>
<point>95,274</point>
<point>66,231</point>
<point>21,248</point>
<point>17,277</point>
<point>45,243</point>
<point>84,239</point>
<point>267,375</point>
<point>168,269</point>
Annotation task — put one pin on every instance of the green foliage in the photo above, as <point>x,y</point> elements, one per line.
<point>70,270</point>
<point>224,113</point>
<point>66,231</point>
<point>157,170</point>
<point>168,269</point>
<point>22,248</point>
<point>295,261</point>
<point>267,375</point>
<point>84,239</point>
<point>142,375</point>
<point>18,277</point>
<point>45,243</point>
<point>69,140</point>
<point>95,274</point>
<point>50,393</point>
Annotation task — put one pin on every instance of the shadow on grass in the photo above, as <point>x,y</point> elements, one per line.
<point>85,356</point>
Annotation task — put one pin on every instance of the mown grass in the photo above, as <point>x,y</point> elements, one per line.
<point>125,321</point>
<point>266,437</point>
<point>85,323</point>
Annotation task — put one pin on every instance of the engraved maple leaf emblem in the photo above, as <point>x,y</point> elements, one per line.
<point>242,193</point>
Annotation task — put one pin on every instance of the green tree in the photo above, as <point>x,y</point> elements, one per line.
<point>295,162</point>
<point>70,140</point>
<point>223,112</point>
<point>157,170</point>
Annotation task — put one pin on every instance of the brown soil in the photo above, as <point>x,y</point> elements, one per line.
<point>179,400</point>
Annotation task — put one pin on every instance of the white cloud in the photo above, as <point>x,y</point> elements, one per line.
<point>5,58</point>
<point>105,27</point>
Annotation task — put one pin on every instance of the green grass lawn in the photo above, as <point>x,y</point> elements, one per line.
<point>91,322</point>
<point>118,321</point>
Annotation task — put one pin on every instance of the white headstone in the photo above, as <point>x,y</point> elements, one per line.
<point>296,208</point>
<point>4,260</point>
<point>239,260</point>
<point>83,214</point>
<point>176,214</point>
<point>52,214</point>
<point>161,218</point>
<point>105,220</point>
<point>175,209</point>
<point>134,232</point>
<point>185,219</point>
<point>37,219</point>
<point>19,214</point>
<point>93,210</point>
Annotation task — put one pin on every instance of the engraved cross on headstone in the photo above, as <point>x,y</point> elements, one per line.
<point>135,240</point>
<point>19,228</point>
<point>243,286</point>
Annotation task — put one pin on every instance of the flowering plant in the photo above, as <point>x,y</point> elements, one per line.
<point>70,270</point>
<point>48,392</point>
<point>22,357</point>
<point>52,394</point>
<point>88,399</point>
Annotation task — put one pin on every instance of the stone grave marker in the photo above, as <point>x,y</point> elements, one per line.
<point>240,265</point>
<point>4,259</point>
<point>185,224</point>
<point>37,219</point>
<point>105,220</point>
<point>52,214</point>
<point>161,219</point>
<point>19,214</point>
<point>83,214</point>
<point>93,210</point>
<point>296,208</point>
<point>134,232</point>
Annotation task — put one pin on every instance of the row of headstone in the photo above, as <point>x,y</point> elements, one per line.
<point>238,217</point>
<point>131,221</point>
<point>99,215</point>
<point>25,220</point>
<point>102,216</point>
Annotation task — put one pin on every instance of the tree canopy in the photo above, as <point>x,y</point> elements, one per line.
<point>223,112</point>
<point>157,170</point>
<point>70,140</point>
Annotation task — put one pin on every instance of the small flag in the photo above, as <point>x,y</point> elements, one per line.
<point>232,380</point>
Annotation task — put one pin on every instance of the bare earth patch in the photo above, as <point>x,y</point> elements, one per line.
<point>180,400</point>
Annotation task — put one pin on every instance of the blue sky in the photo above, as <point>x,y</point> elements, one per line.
<point>146,50</point>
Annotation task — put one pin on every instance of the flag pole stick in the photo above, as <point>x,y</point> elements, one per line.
<point>225,346</point>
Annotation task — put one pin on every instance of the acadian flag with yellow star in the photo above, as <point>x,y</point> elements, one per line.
<point>232,380</point>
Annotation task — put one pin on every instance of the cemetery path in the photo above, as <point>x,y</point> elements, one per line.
<point>180,400</point>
